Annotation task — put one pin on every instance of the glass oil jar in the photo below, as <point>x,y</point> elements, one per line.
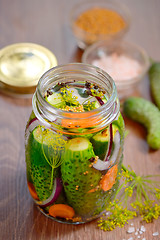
<point>74,143</point>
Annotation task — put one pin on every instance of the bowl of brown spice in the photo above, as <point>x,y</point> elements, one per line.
<point>93,20</point>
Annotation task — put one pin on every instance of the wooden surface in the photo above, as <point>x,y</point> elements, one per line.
<point>46,23</point>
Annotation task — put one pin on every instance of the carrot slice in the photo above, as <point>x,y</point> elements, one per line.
<point>108,180</point>
<point>80,122</point>
<point>92,190</point>
<point>61,210</point>
<point>32,190</point>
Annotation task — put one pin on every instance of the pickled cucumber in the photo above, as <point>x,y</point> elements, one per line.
<point>146,113</point>
<point>100,142</point>
<point>44,149</point>
<point>79,177</point>
<point>154,77</point>
<point>119,122</point>
<point>56,100</point>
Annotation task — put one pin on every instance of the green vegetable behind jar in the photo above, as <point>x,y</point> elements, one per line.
<point>146,113</point>
<point>71,167</point>
<point>154,77</point>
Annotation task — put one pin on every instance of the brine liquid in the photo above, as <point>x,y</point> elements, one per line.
<point>61,175</point>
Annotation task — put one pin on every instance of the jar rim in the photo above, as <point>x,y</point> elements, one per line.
<point>58,72</point>
<point>100,71</point>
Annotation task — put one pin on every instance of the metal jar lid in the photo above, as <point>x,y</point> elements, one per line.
<point>22,65</point>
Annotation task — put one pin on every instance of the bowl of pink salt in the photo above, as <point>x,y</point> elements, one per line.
<point>126,63</point>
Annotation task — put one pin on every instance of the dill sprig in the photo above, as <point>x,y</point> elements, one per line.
<point>52,146</point>
<point>118,216</point>
<point>136,196</point>
<point>68,96</point>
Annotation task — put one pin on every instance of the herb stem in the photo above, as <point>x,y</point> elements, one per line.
<point>148,176</point>
<point>138,194</point>
<point>148,187</point>
<point>130,172</point>
<point>88,99</point>
<point>119,189</point>
<point>144,193</point>
<point>150,181</point>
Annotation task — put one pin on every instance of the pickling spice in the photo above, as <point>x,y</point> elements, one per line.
<point>119,67</point>
<point>100,21</point>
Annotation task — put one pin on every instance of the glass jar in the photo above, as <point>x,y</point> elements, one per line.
<point>74,143</point>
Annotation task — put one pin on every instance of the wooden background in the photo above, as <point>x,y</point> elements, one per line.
<point>45,22</point>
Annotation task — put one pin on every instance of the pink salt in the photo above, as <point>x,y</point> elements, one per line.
<point>119,67</point>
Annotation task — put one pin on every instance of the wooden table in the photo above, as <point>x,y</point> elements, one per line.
<point>46,23</point>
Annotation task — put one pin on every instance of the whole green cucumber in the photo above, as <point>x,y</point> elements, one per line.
<point>154,77</point>
<point>146,113</point>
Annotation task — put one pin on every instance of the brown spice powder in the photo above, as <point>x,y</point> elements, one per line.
<point>100,21</point>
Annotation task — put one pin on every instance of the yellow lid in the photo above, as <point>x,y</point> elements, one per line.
<point>22,64</point>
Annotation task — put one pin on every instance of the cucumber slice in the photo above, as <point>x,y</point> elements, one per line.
<point>79,177</point>
<point>92,103</point>
<point>100,141</point>
<point>56,100</point>
<point>97,104</point>
<point>78,144</point>
<point>44,156</point>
